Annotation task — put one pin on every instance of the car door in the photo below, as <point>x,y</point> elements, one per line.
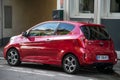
<point>63,40</point>
<point>38,45</point>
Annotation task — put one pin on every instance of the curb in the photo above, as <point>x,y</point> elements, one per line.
<point>118,54</point>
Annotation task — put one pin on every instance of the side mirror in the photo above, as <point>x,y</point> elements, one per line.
<point>25,34</point>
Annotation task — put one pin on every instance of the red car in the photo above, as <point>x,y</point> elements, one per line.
<point>63,43</point>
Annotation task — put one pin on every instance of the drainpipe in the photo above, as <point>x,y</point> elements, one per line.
<point>66,10</point>
<point>58,4</point>
<point>1,18</point>
<point>97,15</point>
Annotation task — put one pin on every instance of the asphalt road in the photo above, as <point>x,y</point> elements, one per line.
<point>29,71</point>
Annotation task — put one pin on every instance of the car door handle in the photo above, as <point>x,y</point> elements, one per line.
<point>48,40</point>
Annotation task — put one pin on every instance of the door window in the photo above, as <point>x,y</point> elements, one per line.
<point>45,29</point>
<point>64,28</point>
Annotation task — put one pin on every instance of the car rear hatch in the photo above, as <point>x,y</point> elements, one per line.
<point>98,42</point>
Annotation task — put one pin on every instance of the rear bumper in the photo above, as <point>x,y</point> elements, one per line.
<point>93,61</point>
<point>97,63</point>
<point>89,57</point>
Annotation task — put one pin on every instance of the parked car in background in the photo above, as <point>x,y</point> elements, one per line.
<point>63,43</point>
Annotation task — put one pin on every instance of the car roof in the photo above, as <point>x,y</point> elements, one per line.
<point>78,23</point>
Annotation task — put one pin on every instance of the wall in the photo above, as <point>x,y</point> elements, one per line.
<point>27,13</point>
<point>88,20</point>
<point>39,10</point>
<point>113,27</point>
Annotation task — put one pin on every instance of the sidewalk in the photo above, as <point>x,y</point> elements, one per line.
<point>1,53</point>
<point>118,54</point>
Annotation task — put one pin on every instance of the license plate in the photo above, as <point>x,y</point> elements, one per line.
<point>102,57</point>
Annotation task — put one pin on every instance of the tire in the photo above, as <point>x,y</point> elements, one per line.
<point>13,57</point>
<point>105,69</point>
<point>70,64</point>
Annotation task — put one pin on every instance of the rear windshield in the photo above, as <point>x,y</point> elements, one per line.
<point>95,33</point>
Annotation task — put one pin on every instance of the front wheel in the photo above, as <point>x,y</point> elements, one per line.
<point>70,64</point>
<point>13,57</point>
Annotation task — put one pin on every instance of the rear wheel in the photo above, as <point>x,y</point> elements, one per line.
<point>70,64</point>
<point>13,57</point>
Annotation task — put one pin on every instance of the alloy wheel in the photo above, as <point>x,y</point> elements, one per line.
<point>13,57</point>
<point>70,64</point>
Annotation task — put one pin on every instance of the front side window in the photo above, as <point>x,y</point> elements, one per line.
<point>44,29</point>
<point>86,6</point>
<point>64,29</point>
<point>115,6</point>
<point>95,33</point>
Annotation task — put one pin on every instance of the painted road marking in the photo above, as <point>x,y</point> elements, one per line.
<point>92,79</point>
<point>1,66</point>
<point>17,68</point>
<point>65,75</point>
<point>1,58</point>
<point>38,72</point>
<point>31,72</point>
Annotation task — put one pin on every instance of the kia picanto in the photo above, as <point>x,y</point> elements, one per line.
<point>67,44</point>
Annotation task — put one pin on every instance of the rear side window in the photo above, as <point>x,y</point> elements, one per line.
<point>64,28</point>
<point>95,33</point>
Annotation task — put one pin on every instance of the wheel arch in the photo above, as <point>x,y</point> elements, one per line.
<point>15,57</point>
<point>12,48</point>
<point>70,69</point>
<point>68,54</point>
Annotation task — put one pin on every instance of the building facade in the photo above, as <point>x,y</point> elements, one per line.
<point>106,12</point>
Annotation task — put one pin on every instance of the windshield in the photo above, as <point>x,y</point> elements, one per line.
<point>95,33</point>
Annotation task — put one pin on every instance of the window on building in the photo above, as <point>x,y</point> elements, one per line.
<point>86,6</point>
<point>8,16</point>
<point>115,6</point>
